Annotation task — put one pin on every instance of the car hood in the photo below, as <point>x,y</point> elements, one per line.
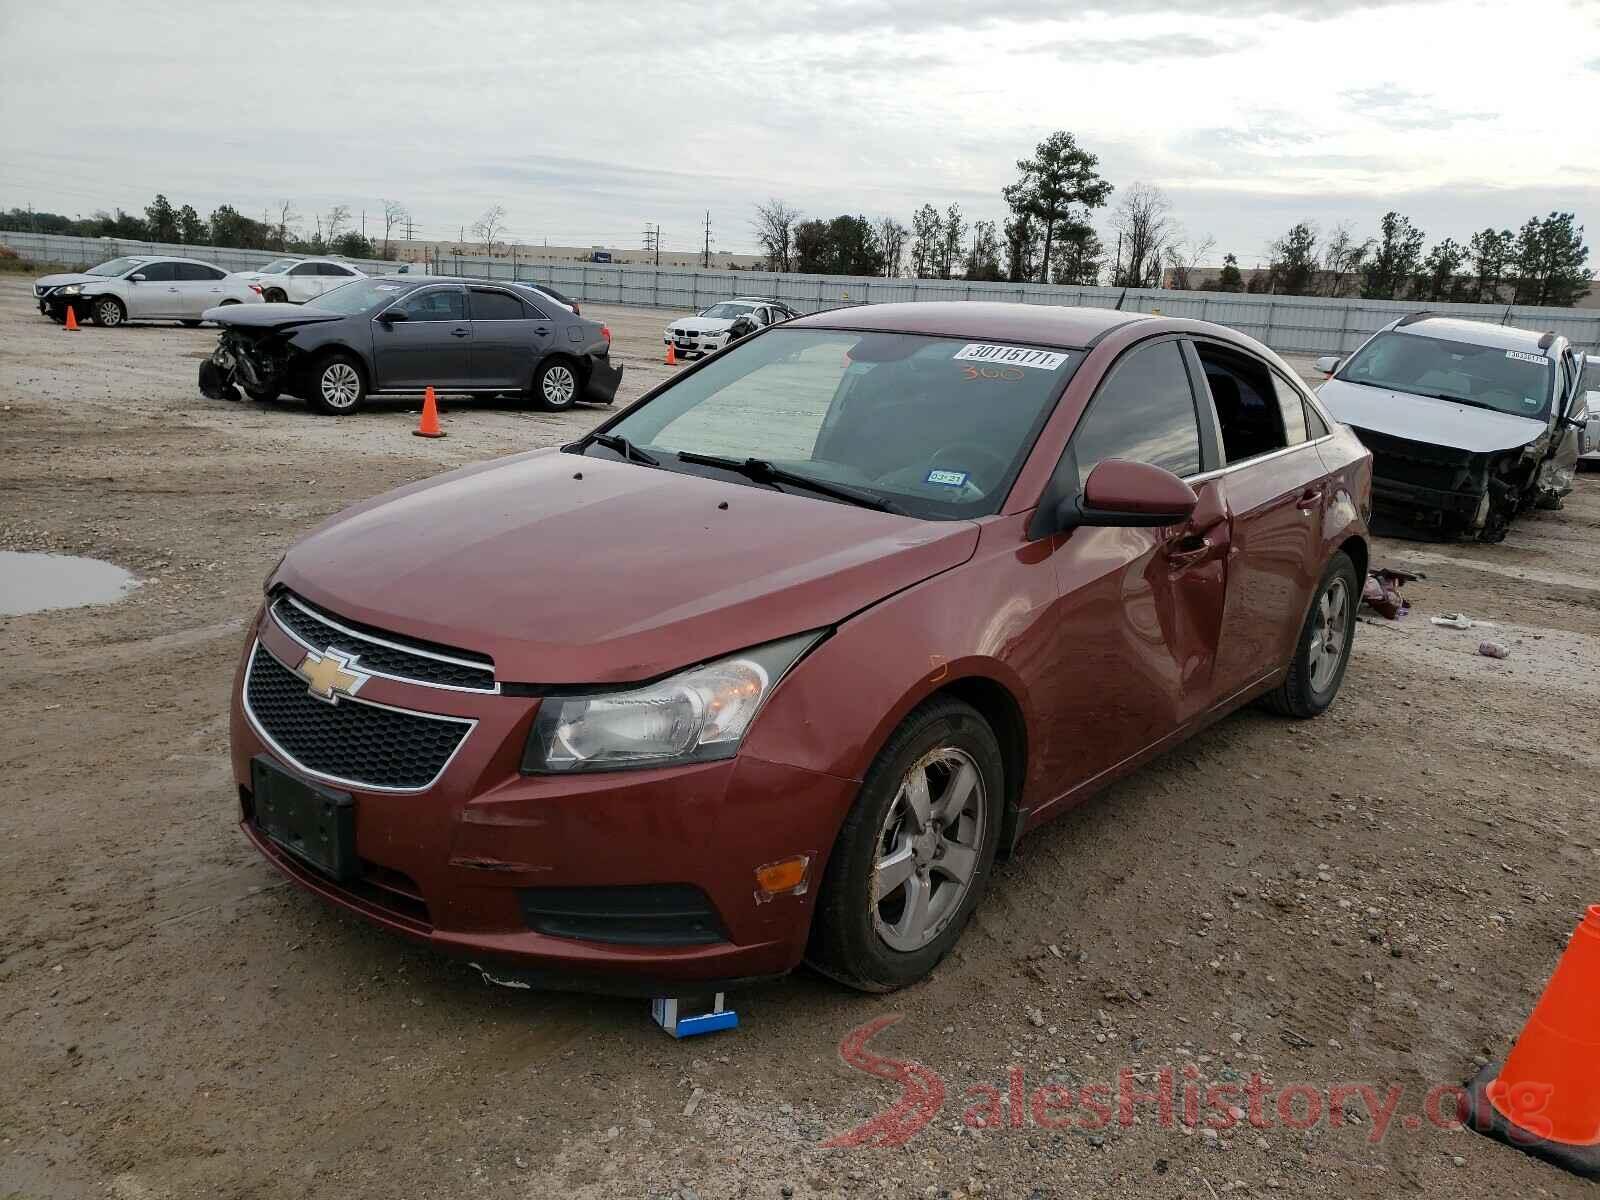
<point>67,277</point>
<point>570,570</point>
<point>704,324</point>
<point>268,316</point>
<point>1425,419</point>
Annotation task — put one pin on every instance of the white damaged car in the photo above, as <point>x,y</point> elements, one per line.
<point>708,329</point>
<point>1469,423</point>
<point>297,280</point>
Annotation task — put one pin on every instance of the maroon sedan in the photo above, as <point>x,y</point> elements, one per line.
<point>772,665</point>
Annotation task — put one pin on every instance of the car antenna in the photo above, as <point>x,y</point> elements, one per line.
<point>1120,299</point>
<point>1507,317</point>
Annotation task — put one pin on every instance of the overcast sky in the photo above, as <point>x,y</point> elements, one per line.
<point>588,120</point>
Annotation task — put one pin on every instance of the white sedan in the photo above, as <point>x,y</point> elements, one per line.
<point>708,329</point>
<point>141,287</point>
<point>297,280</point>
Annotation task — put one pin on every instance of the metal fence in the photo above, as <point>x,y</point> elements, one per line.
<point>1289,324</point>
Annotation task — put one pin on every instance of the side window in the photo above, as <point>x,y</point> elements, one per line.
<point>496,306</point>
<point>1316,427</point>
<point>436,304</point>
<point>1246,401</point>
<point>335,269</point>
<point>1144,413</point>
<point>307,269</point>
<point>198,272</point>
<point>1291,409</point>
<point>158,272</point>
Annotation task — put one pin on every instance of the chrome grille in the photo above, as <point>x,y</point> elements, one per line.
<point>380,653</point>
<point>353,742</point>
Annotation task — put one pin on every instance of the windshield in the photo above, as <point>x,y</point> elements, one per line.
<point>728,312</point>
<point>1510,381</point>
<point>277,266</point>
<point>115,267</point>
<point>937,426</point>
<point>358,296</point>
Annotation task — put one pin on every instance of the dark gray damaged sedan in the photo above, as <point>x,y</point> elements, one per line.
<point>397,335</point>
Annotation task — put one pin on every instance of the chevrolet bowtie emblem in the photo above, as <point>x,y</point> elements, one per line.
<point>329,675</point>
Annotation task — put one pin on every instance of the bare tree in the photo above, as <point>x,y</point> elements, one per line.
<point>394,213</point>
<point>955,233</point>
<point>489,228</point>
<point>283,229</point>
<point>1183,260</point>
<point>892,241</point>
<point>338,218</point>
<point>774,227</point>
<point>1144,223</point>
<point>1343,258</point>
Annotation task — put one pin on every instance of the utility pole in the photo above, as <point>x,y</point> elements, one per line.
<point>652,241</point>
<point>363,224</point>
<point>705,258</point>
<point>408,227</point>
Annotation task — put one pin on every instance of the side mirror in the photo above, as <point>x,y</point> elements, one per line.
<point>1328,363</point>
<point>1128,495</point>
<point>136,278</point>
<point>390,316</point>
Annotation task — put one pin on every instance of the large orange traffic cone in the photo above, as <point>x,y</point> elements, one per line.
<point>1545,1099</point>
<point>429,425</point>
<point>72,318</point>
<point>672,355</point>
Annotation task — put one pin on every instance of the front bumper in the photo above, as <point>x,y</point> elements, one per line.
<point>1400,497</point>
<point>464,865</point>
<point>695,347</point>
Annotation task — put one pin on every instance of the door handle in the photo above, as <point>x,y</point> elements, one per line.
<point>541,330</point>
<point>1188,548</point>
<point>459,332</point>
<point>1309,499</point>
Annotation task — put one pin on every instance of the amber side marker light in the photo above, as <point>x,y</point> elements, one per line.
<point>786,877</point>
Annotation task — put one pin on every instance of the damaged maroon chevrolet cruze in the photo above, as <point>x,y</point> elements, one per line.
<point>770,666</point>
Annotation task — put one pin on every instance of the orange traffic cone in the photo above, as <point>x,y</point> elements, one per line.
<point>72,318</point>
<point>1545,1099</point>
<point>672,355</point>
<point>429,425</point>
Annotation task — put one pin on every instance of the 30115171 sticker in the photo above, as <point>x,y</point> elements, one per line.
<point>946,478</point>
<point>1524,356</point>
<point>1011,356</point>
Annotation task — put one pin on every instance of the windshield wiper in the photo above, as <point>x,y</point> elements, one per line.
<point>760,470</point>
<point>1464,400</point>
<point>618,444</point>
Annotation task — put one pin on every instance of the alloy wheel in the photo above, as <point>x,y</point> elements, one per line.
<point>1329,634</point>
<point>928,848</point>
<point>108,313</point>
<point>340,385</point>
<point>559,386</point>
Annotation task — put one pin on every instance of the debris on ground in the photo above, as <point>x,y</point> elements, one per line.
<point>1461,621</point>
<point>1381,592</point>
<point>1493,650</point>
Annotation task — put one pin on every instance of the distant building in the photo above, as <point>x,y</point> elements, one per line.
<point>419,251</point>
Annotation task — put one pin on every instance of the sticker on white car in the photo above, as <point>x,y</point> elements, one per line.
<point>1014,356</point>
<point>1524,356</point>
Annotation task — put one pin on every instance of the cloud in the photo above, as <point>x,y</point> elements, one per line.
<point>1399,108</point>
<point>1141,49</point>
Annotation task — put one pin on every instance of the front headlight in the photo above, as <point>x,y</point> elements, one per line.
<point>72,289</point>
<point>694,716</point>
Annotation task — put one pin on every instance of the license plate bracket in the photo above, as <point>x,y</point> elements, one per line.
<point>315,824</point>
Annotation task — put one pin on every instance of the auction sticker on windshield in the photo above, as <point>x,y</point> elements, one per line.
<point>1519,355</point>
<point>1012,356</point>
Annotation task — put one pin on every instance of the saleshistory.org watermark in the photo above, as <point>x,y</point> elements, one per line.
<point>1166,1095</point>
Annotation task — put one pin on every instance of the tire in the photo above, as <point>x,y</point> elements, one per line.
<point>1318,667</point>
<point>336,386</point>
<point>556,384</point>
<point>879,947</point>
<point>60,318</point>
<point>108,311</point>
<point>274,296</point>
<point>265,396</point>
<point>190,324</point>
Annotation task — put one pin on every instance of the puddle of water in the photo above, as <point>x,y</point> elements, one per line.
<point>31,583</point>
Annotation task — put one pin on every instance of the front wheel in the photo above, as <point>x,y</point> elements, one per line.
<point>555,385</point>
<point>336,386</point>
<point>913,856</point>
<point>1323,651</point>
<point>108,312</point>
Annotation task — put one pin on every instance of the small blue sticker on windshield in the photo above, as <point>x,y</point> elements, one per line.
<point>947,478</point>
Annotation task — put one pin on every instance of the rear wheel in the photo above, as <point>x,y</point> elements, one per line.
<point>1323,651</point>
<point>274,296</point>
<point>336,386</point>
<point>108,311</point>
<point>913,856</point>
<point>555,384</point>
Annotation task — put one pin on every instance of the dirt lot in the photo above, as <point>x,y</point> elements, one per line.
<point>1371,898</point>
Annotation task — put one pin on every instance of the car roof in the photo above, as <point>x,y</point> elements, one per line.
<point>1477,333</point>
<point>1050,324</point>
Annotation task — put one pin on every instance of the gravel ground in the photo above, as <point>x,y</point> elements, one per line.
<point>1375,897</point>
